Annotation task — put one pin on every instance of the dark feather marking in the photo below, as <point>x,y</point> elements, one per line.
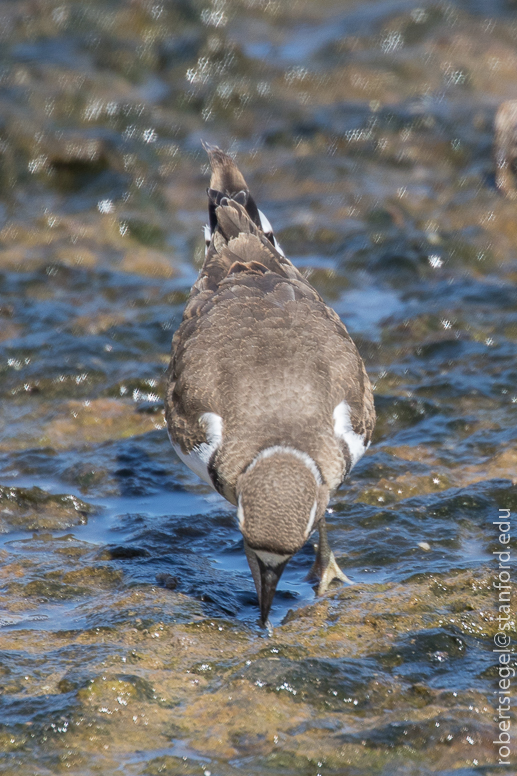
<point>214,476</point>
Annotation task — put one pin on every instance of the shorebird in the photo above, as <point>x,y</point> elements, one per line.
<point>268,399</point>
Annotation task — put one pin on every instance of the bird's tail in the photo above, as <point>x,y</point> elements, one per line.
<point>226,176</point>
<point>228,182</point>
<point>239,238</point>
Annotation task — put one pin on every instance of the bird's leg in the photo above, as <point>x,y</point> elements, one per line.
<point>325,566</point>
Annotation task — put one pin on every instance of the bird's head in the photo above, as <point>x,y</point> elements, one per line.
<point>281,498</point>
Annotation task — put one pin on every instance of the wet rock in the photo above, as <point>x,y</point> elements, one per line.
<point>48,589</point>
<point>88,477</point>
<point>167,581</point>
<point>168,765</point>
<point>287,651</point>
<point>404,486</point>
<point>118,689</point>
<point>96,421</point>
<point>475,502</point>
<point>33,509</point>
<point>122,553</point>
<point>94,576</point>
<point>325,684</point>
<point>448,731</point>
<point>290,763</point>
<point>395,413</point>
<point>434,646</point>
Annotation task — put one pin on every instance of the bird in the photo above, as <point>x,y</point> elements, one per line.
<point>267,398</point>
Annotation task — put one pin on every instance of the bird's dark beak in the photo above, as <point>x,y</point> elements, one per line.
<point>266,575</point>
<point>269,578</point>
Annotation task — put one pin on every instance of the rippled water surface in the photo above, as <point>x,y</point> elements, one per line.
<point>129,640</point>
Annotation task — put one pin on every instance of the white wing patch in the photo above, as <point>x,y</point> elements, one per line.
<point>310,524</point>
<point>268,231</point>
<point>240,514</point>
<point>344,431</point>
<point>266,228</point>
<point>199,458</point>
<point>208,237</point>
<point>264,222</point>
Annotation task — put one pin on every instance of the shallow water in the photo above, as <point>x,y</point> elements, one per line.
<point>129,640</point>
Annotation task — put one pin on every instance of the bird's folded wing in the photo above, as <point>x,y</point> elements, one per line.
<point>238,245</point>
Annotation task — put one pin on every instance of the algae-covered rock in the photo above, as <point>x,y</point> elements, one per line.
<point>32,509</point>
<point>119,689</point>
<point>338,685</point>
<point>168,765</point>
<point>48,589</point>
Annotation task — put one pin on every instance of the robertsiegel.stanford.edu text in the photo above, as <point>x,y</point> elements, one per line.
<point>502,639</point>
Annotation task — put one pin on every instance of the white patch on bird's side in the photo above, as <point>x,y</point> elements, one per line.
<point>271,559</point>
<point>310,524</point>
<point>240,514</point>
<point>278,247</point>
<point>199,457</point>
<point>208,237</point>
<point>268,230</point>
<point>264,223</point>
<point>285,449</point>
<point>344,431</point>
